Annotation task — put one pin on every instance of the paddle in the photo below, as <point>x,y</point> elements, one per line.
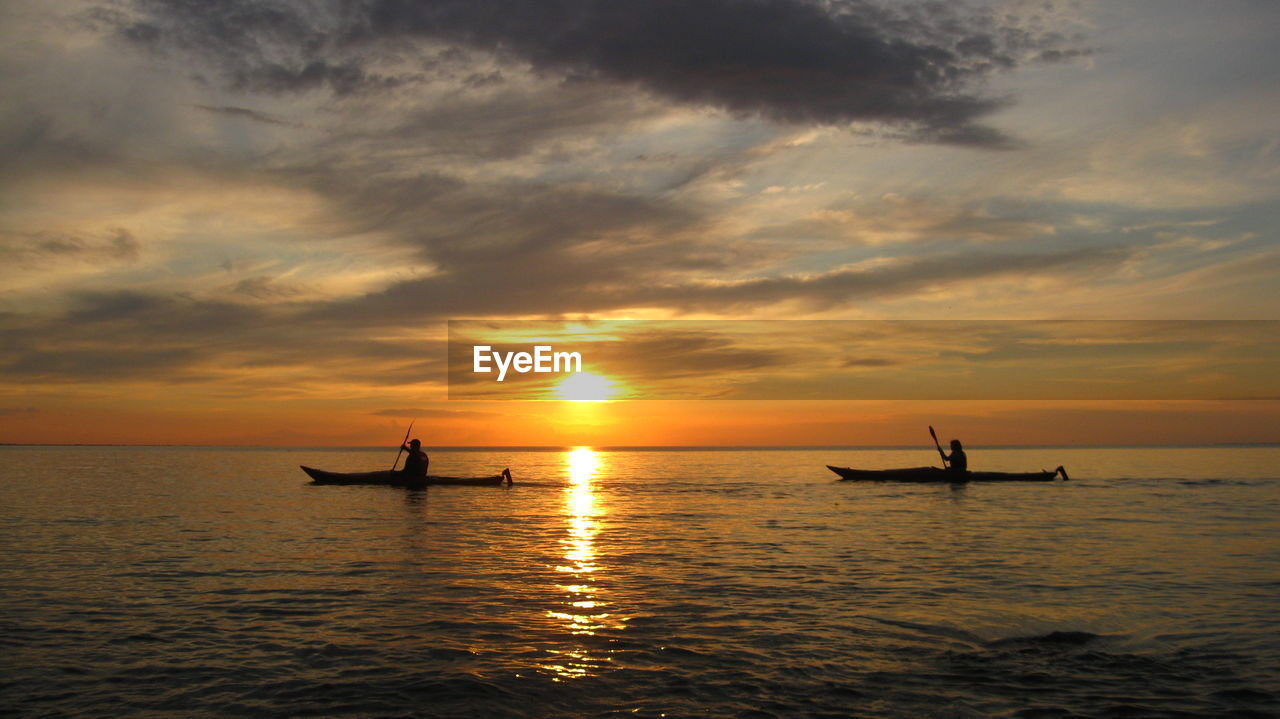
<point>406,439</point>
<point>933,434</point>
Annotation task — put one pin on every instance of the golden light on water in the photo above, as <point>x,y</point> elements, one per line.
<point>581,465</point>
<point>586,387</point>
<point>583,613</point>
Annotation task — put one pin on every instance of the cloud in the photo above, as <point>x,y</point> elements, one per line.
<point>625,286</point>
<point>669,354</point>
<point>521,118</point>
<point>105,363</point>
<point>895,218</point>
<point>367,340</point>
<point>696,359</point>
<point>503,246</point>
<point>855,362</point>
<point>842,287</point>
<point>436,413</point>
<point>918,66</point>
<point>265,288</point>
<point>246,113</point>
<point>46,248</point>
<point>638,354</point>
<point>153,337</point>
<point>173,314</point>
<point>342,79</point>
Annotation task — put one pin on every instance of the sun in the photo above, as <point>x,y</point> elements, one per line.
<point>586,387</point>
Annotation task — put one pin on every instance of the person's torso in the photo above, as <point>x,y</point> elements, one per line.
<point>416,462</point>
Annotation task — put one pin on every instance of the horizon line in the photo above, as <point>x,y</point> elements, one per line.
<point>651,447</point>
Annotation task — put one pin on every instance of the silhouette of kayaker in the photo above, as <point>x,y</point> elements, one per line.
<point>417,461</point>
<point>957,460</point>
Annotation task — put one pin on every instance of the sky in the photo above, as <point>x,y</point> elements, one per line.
<point>249,222</point>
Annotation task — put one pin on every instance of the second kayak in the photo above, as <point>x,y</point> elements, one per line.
<point>937,474</point>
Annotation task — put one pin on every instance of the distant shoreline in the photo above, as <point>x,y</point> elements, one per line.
<point>660,448</point>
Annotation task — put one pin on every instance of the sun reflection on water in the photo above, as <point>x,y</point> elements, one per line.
<point>583,613</point>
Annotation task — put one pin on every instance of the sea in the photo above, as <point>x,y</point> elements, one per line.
<point>674,582</point>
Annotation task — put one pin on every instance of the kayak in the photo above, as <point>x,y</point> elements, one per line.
<point>937,474</point>
<point>400,479</point>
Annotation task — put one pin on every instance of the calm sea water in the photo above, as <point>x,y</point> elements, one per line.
<point>160,582</point>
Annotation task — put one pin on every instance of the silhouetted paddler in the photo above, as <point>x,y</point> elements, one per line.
<point>958,461</point>
<point>417,461</point>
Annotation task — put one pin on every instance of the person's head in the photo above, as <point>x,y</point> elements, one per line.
<point>955,444</point>
<point>414,444</point>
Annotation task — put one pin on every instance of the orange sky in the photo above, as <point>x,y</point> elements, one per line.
<point>260,237</point>
<point>645,423</point>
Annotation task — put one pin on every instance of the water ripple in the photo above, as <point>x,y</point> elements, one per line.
<point>630,584</point>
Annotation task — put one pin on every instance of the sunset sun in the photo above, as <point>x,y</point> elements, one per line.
<point>586,387</point>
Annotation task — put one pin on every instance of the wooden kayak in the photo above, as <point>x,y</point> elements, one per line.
<point>400,479</point>
<point>937,474</point>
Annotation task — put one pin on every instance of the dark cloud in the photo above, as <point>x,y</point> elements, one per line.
<point>45,248</point>
<point>102,363</point>
<point>366,201</point>
<point>855,362</point>
<point>622,285</point>
<point>175,338</point>
<point>172,337</point>
<point>265,288</point>
<point>174,315</point>
<point>488,245</point>
<point>345,78</point>
<point>511,123</point>
<point>436,413</point>
<point>501,247</point>
<point>245,113</point>
<point>484,79</point>
<point>266,46</point>
<point>119,335</point>
<point>895,218</point>
<point>842,287</point>
<point>919,66</point>
<point>667,354</point>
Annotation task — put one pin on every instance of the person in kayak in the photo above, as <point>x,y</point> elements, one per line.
<point>957,461</point>
<point>417,461</point>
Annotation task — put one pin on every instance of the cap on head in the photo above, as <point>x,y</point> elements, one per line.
<point>414,443</point>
